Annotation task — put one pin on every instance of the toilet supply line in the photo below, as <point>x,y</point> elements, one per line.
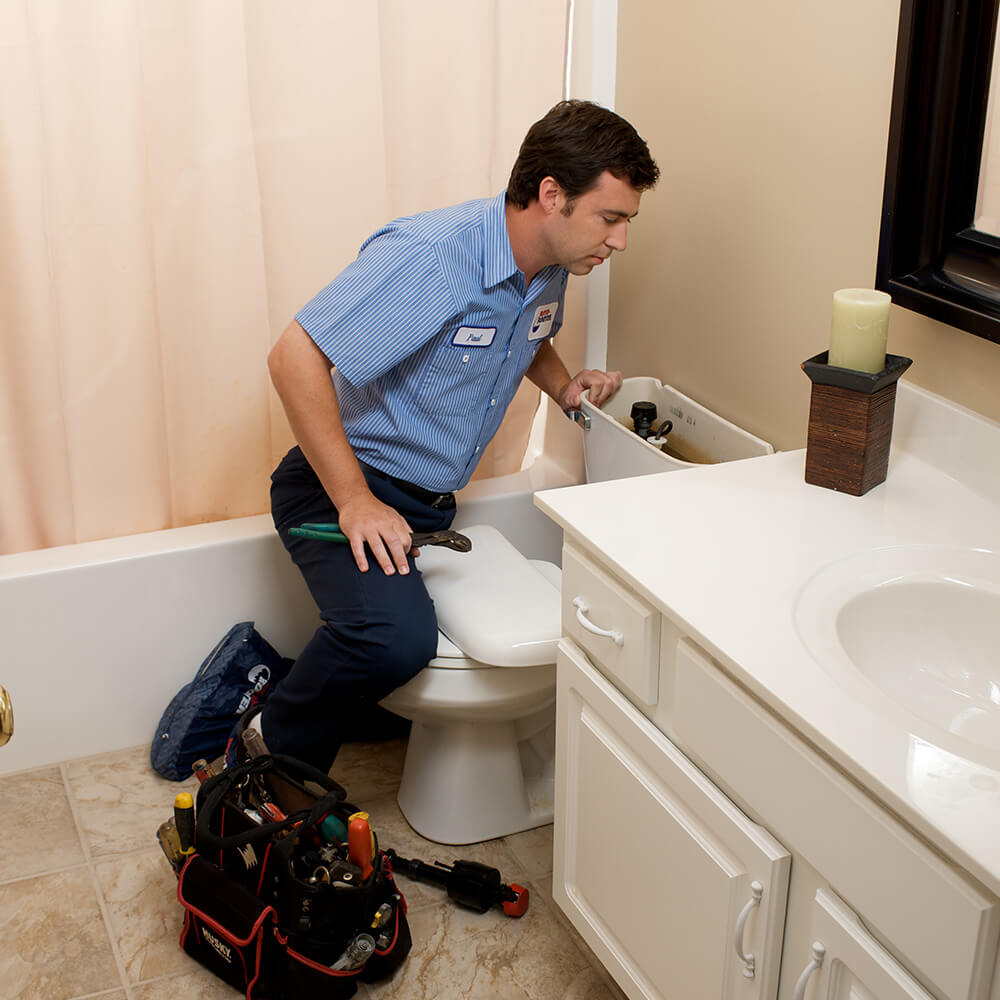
<point>331,532</point>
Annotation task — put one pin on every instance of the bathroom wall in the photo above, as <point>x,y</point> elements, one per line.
<point>769,121</point>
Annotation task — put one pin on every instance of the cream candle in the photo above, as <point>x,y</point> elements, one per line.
<point>859,329</point>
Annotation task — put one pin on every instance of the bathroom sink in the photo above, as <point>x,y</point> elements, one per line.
<point>922,624</point>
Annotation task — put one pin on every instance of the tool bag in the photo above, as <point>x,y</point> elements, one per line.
<point>278,909</point>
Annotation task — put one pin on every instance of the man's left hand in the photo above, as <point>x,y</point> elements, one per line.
<point>601,385</point>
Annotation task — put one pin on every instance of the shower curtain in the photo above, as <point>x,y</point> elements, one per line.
<point>177,177</point>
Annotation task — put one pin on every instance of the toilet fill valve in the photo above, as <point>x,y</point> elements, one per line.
<point>643,416</point>
<point>469,883</point>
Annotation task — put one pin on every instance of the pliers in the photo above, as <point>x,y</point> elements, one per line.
<point>332,533</point>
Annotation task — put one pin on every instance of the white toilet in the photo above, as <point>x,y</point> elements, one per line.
<point>481,755</point>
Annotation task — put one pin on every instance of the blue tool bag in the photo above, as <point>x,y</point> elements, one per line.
<point>239,673</point>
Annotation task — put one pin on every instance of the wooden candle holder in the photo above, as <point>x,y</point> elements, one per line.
<point>850,424</point>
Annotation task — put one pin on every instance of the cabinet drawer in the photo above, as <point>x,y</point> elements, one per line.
<point>617,629</point>
<point>943,924</point>
<point>674,888</point>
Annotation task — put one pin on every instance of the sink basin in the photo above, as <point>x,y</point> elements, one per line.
<point>920,623</point>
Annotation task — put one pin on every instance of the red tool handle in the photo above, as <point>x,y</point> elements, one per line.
<point>517,906</point>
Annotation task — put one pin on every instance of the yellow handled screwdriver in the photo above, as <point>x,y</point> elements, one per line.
<point>184,821</point>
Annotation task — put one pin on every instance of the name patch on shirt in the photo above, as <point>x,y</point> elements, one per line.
<point>541,323</point>
<point>474,336</point>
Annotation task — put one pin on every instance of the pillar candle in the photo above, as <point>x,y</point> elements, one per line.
<point>859,329</point>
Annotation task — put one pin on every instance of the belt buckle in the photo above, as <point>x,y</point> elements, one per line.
<point>440,499</point>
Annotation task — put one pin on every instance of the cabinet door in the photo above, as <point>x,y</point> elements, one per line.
<point>675,889</point>
<point>847,963</point>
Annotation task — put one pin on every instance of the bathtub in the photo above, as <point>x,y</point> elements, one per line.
<point>96,638</point>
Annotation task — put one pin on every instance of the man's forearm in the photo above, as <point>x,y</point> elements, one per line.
<point>548,372</point>
<point>300,373</point>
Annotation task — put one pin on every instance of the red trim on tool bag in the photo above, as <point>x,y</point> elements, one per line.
<point>213,923</point>
<point>395,934</point>
<point>319,967</point>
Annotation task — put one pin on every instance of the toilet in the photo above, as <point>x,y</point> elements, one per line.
<point>481,756</point>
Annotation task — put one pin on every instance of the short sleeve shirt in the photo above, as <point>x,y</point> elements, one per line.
<point>430,330</point>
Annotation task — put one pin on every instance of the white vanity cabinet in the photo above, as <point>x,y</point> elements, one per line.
<point>690,820</point>
<point>677,891</point>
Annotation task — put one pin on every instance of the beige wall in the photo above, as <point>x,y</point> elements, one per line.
<point>769,121</point>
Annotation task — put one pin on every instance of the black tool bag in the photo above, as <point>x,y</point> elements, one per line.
<point>278,909</point>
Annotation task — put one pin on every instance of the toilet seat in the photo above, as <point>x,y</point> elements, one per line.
<point>450,657</point>
<point>468,587</point>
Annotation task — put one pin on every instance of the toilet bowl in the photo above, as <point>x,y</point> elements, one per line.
<point>480,759</point>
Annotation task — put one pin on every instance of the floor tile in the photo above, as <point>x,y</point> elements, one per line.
<point>533,851</point>
<point>37,829</point>
<point>462,955</point>
<point>369,770</point>
<point>140,893</point>
<point>55,943</point>
<point>121,800</point>
<point>199,984</point>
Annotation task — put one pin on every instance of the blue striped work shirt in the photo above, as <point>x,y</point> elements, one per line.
<point>430,331</point>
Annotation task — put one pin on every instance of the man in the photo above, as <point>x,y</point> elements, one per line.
<point>427,335</point>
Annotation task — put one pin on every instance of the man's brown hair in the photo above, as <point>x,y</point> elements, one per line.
<point>574,144</point>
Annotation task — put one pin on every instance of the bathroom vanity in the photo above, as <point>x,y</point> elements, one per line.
<point>774,776</point>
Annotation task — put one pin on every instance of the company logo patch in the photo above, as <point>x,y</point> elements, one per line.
<point>225,952</point>
<point>249,856</point>
<point>542,321</point>
<point>474,336</point>
<point>259,677</point>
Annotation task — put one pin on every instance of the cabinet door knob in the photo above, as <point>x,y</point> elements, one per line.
<point>749,962</point>
<point>819,953</point>
<point>581,616</point>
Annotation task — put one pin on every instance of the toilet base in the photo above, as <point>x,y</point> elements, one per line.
<point>466,782</point>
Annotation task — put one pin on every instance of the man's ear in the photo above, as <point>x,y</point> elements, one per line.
<point>551,196</point>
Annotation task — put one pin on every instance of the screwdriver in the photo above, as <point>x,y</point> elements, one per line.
<point>360,842</point>
<point>184,821</point>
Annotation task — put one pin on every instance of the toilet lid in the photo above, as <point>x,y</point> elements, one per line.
<point>493,605</point>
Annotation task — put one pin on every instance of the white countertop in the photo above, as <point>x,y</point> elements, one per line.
<point>724,552</point>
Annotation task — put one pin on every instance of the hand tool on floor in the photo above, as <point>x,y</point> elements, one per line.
<point>468,883</point>
<point>331,533</point>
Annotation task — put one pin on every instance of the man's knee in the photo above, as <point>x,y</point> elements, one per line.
<point>407,649</point>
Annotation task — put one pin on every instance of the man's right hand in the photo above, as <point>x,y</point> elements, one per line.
<point>364,519</point>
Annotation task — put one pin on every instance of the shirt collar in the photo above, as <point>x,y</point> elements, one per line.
<point>498,257</point>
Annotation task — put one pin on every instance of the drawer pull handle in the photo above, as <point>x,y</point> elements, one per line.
<point>581,616</point>
<point>819,953</point>
<point>749,962</point>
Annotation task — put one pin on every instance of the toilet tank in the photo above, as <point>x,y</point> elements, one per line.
<point>612,450</point>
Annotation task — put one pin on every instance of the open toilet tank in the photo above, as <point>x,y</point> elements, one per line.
<point>480,760</point>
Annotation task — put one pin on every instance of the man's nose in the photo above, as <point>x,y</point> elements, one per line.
<point>618,238</point>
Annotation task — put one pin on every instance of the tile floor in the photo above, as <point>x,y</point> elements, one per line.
<point>87,904</point>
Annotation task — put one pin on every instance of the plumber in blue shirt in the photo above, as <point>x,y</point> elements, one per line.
<point>427,335</point>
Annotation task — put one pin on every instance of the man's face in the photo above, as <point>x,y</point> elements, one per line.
<point>583,231</point>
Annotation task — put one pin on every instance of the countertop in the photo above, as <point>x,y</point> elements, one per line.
<point>725,550</point>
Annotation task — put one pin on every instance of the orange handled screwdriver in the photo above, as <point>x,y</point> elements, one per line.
<point>360,842</point>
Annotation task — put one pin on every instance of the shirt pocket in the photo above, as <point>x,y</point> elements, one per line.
<point>458,379</point>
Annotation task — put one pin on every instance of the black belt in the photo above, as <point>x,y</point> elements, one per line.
<point>440,501</point>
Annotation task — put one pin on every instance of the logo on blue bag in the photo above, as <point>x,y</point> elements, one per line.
<point>259,677</point>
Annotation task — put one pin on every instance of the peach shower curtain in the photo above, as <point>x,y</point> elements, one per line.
<point>176,178</point>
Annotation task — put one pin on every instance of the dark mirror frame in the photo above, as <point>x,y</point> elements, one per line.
<point>930,257</point>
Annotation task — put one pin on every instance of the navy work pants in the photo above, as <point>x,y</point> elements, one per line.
<point>377,631</point>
